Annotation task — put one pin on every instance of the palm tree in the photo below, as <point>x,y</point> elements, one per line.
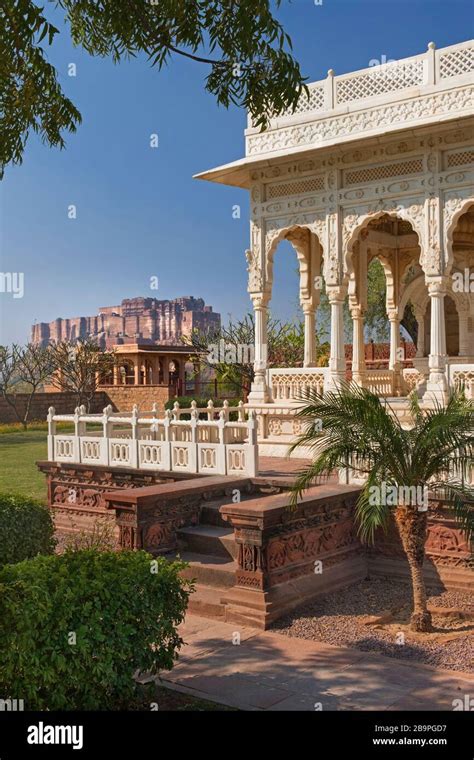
<point>362,431</point>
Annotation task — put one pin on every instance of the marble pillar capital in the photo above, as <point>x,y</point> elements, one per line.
<point>437,286</point>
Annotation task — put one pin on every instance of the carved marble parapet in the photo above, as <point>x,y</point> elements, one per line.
<point>446,545</point>
<point>80,495</point>
<point>149,518</point>
<point>82,488</point>
<point>277,544</point>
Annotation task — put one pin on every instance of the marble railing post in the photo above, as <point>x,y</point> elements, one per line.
<point>358,347</point>
<point>337,361</point>
<point>437,384</point>
<point>259,391</point>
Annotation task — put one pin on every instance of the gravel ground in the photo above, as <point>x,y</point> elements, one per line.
<point>336,619</point>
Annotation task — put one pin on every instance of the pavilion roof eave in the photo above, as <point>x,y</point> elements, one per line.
<point>237,173</point>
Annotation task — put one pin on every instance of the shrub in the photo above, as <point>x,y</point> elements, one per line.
<point>76,627</point>
<point>101,537</point>
<point>26,528</point>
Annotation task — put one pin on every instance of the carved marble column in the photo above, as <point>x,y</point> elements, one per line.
<point>463,333</point>
<point>358,347</point>
<point>437,385</point>
<point>420,345</point>
<point>337,361</point>
<point>259,391</point>
<point>394,363</point>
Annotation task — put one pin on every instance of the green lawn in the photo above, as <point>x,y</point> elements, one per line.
<point>19,451</point>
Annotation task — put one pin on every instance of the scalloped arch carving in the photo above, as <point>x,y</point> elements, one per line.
<point>455,205</point>
<point>417,291</point>
<point>281,230</point>
<point>357,219</point>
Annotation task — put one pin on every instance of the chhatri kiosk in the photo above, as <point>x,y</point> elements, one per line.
<point>378,163</point>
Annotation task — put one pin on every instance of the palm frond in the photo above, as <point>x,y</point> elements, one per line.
<point>371,514</point>
<point>459,500</point>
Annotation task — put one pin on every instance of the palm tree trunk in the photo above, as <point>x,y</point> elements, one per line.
<point>411,526</point>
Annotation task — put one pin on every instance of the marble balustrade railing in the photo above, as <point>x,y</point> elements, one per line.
<point>144,441</point>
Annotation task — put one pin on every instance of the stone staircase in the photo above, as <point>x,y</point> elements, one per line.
<point>211,551</point>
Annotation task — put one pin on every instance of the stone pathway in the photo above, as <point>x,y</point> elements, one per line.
<point>268,671</point>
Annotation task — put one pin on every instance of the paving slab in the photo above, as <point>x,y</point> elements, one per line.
<point>271,671</point>
<point>199,640</point>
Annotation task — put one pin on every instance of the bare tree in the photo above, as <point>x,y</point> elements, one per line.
<point>23,369</point>
<point>79,367</point>
<point>228,350</point>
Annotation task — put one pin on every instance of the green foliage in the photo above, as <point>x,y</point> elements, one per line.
<point>124,618</point>
<point>26,528</point>
<point>30,95</point>
<point>361,430</point>
<point>100,536</point>
<point>246,51</point>
<point>376,320</point>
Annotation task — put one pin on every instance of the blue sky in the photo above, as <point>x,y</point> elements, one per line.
<point>139,212</point>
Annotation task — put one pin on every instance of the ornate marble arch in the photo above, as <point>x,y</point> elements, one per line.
<point>417,292</point>
<point>292,229</point>
<point>391,297</point>
<point>456,203</point>
<point>357,218</point>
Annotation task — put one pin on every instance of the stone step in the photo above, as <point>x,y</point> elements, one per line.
<point>210,514</point>
<point>209,539</point>
<point>209,570</point>
<point>206,602</point>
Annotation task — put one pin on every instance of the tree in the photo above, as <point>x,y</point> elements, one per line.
<point>245,48</point>
<point>361,430</point>
<point>229,351</point>
<point>23,369</point>
<point>79,368</point>
<point>376,315</point>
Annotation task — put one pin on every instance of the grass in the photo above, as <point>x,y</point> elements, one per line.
<point>19,451</point>
<point>41,425</point>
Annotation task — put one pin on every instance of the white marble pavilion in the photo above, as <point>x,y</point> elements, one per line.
<point>378,163</point>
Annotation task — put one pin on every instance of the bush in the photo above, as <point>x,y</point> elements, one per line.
<point>76,627</point>
<point>101,537</point>
<point>26,528</point>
